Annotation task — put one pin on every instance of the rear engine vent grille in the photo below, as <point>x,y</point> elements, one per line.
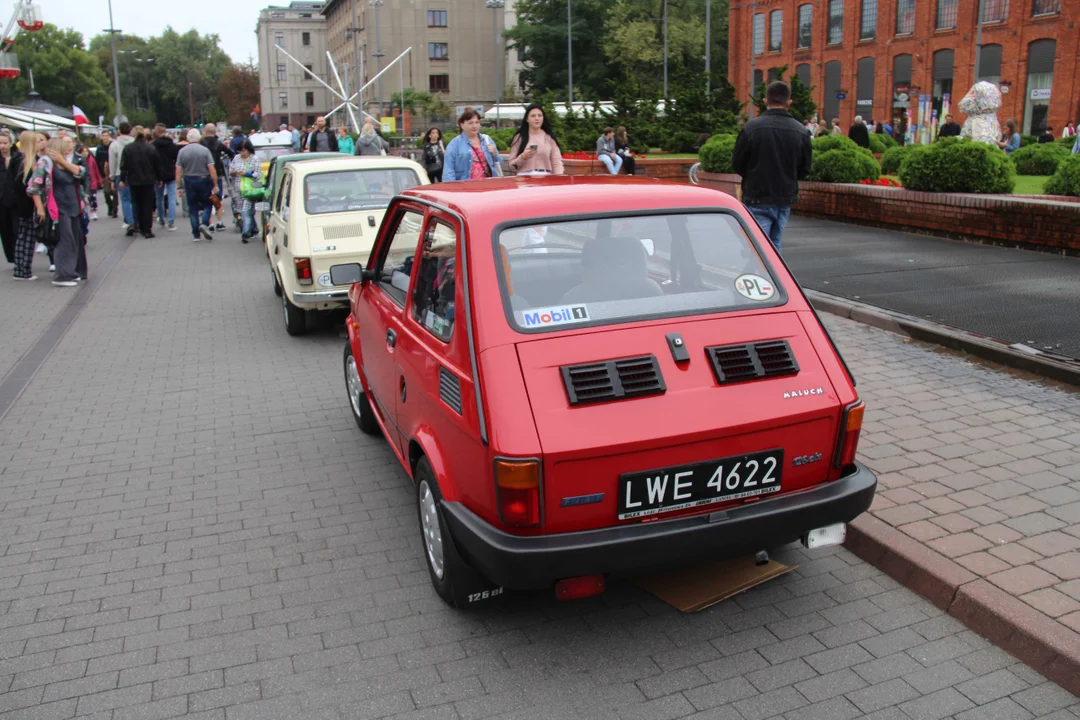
<point>612,380</point>
<point>735,363</point>
<point>450,389</point>
<point>343,232</point>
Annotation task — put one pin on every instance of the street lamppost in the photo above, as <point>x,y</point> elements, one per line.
<point>569,57</point>
<point>378,54</point>
<point>665,50</point>
<point>116,73</point>
<point>495,6</point>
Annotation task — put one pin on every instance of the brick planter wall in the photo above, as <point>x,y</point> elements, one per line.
<point>655,167</point>
<point>1001,219</point>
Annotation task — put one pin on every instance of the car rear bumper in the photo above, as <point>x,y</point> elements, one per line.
<point>321,296</point>
<point>536,561</point>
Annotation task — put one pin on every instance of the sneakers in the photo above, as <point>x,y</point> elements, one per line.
<point>149,235</point>
<point>32,277</point>
<point>40,249</point>
<point>205,232</point>
<point>93,215</point>
<point>65,283</point>
<point>161,221</point>
<point>196,239</point>
<point>172,227</point>
<point>52,268</point>
<point>220,226</point>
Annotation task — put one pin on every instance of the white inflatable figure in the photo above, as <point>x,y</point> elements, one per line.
<point>981,105</point>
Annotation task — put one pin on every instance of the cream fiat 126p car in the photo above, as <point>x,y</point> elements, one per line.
<point>323,213</point>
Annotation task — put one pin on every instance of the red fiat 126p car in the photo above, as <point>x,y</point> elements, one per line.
<point>591,376</point>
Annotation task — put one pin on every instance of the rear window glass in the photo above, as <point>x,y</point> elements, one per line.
<point>347,190</point>
<point>268,153</point>
<point>618,269</point>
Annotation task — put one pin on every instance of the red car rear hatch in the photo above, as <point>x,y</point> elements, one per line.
<point>627,438</point>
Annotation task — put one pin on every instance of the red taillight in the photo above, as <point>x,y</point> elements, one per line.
<point>303,270</point>
<point>579,587</point>
<point>517,483</point>
<point>849,438</point>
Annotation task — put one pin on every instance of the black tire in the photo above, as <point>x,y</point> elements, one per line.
<point>295,318</point>
<point>456,582</point>
<point>361,408</point>
<point>277,285</point>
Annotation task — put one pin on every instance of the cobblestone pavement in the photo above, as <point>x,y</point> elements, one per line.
<point>29,306</point>
<point>191,524</point>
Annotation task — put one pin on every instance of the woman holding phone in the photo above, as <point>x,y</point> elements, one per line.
<point>534,150</point>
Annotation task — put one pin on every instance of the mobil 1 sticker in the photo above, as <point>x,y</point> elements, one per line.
<point>755,287</point>
<point>552,316</point>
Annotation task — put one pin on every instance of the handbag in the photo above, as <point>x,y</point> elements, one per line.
<point>250,190</point>
<point>45,231</point>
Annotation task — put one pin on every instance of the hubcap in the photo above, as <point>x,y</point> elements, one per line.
<point>352,380</point>
<point>429,520</point>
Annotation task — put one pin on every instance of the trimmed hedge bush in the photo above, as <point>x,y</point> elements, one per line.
<point>894,157</point>
<point>1066,181</point>
<point>886,140</point>
<point>835,142</point>
<point>844,166</point>
<point>876,145</point>
<point>716,154</point>
<point>1039,159</point>
<point>958,165</point>
<point>1067,142</point>
<point>1026,140</point>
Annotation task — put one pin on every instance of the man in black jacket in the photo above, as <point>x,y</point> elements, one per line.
<point>142,171</point>
<point>859,133</point>
<point>222,157</point>
<point>949,128</point>
<point>772,154</point>
<point>165,191</point>
<point>321,139</point>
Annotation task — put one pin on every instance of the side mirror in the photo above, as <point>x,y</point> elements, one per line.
<point>349,274</point>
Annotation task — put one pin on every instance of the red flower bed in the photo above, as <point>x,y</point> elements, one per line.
<point>882,182</point>
<point>578,155</point>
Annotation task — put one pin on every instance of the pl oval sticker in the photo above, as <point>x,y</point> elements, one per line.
<point>755,287</point>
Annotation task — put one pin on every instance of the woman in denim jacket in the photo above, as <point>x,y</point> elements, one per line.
<point>471,155</point>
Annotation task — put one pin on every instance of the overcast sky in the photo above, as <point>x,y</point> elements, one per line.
<point>233,20</point>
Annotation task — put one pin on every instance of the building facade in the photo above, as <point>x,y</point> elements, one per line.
<point>875,57</point>
<point>453,47</point>
<point>287,93</point>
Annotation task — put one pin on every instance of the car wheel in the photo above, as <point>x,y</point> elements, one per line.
<point>295,318</point>
<point>277,285</point>
<point>457,583</point>
<point>361,408</point>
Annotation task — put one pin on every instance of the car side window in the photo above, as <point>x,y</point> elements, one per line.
<point>396,264</point>
<point>283,193</point>
<point>433,296</point>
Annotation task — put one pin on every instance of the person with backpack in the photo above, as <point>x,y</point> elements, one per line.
<point>219,150</point>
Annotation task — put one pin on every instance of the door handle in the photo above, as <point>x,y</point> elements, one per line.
<point>391,338</point>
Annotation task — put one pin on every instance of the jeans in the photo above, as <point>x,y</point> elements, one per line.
<point>197,191</point>
<point>163,192</point>
<point>248,214</point>
<point>613,166</point>
<point>125,201</point>
<point>772,219</point>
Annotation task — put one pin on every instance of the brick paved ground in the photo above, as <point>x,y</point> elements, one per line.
<point>29,306</point>
<point>191,524</point>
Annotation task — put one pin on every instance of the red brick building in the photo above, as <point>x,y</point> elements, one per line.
<point>866,57</point>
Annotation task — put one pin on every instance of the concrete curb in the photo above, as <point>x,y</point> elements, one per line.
<point>1042,643</point>
<point>1021,357</point>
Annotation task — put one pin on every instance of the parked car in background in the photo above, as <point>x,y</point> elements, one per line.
<point>271,183</point>
<point>591,376</point>
<point>327,211</point>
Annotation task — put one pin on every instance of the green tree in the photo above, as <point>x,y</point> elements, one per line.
<point>802,100</point>
<point>416,101</point>
<point>540,35</point>
<point>64,72</point>
<point>238,91</point>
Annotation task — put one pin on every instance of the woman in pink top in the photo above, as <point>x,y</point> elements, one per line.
<point>534,150</point>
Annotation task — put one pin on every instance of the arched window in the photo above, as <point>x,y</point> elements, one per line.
<point>1039,81</point>
<point>943,78</point>
<point>989,64</point>
<point>864,97</point>
<point>831,103</point>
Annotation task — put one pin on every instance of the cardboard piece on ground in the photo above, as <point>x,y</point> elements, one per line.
<point>696,588</point>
